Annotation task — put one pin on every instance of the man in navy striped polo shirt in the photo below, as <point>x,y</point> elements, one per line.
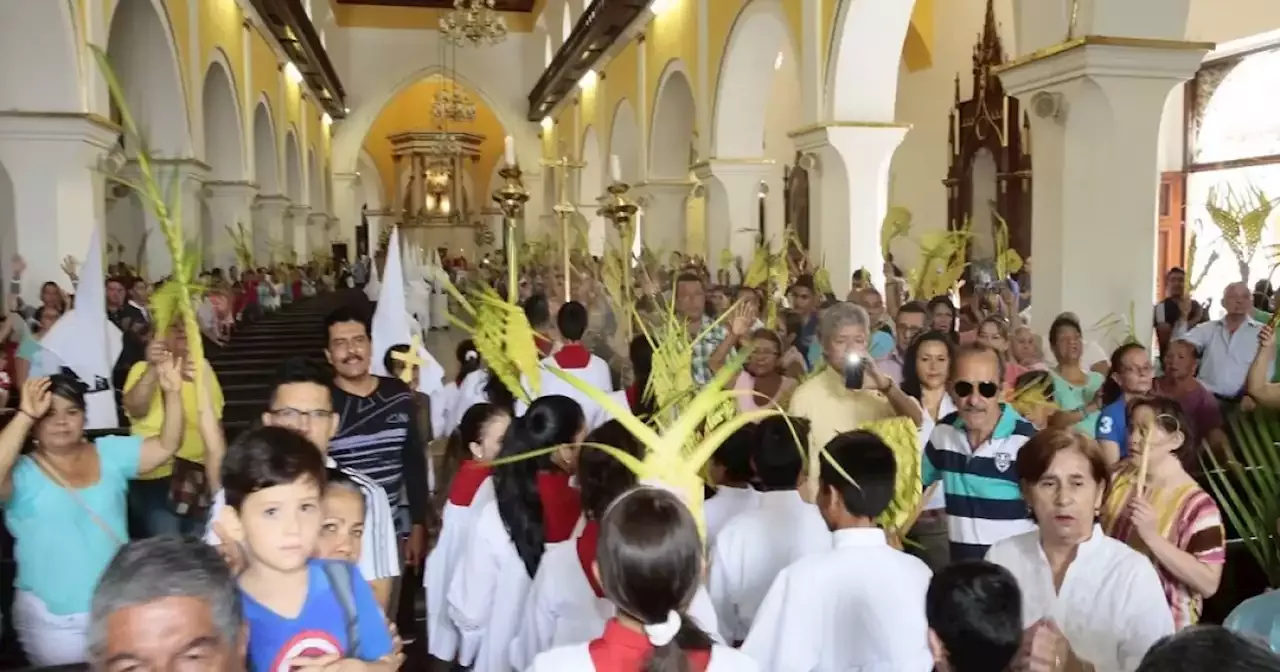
<point>973,452</point>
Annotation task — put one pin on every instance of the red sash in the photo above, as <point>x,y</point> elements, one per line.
<point>573,356</point>
<point>621,649</point>
<point>587,554</point>
<point>561,505</point>
<point>466,482</point>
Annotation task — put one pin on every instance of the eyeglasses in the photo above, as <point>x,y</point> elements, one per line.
<point>293,415</point>
<point>965,388</point>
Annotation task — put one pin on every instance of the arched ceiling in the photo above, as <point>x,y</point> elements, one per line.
<point>411,110</point>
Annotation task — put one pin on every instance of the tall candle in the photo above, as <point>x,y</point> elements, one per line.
<point>510,150</point>
<point>615,168</point>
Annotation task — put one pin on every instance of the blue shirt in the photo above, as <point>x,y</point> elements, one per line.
<point>882,343</point>
<point>1113,426</point>
<point>61,549</point>
<point>320,627</point>
<point>980,484</point>
<point>1258,619</point>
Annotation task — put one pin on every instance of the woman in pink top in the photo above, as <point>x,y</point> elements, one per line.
<point>1179,382</point>
<point>761,384</point>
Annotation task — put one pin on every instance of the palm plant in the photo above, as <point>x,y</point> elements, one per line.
<point>1240,216</point>
<point>1193,246</point>
<point>1246,484</point>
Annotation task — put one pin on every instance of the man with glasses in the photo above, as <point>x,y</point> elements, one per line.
<point>908,324</point>
<point>973,453</point>
<point>301,400</point>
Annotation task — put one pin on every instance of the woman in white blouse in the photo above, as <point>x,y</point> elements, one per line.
<point>1089,602</point>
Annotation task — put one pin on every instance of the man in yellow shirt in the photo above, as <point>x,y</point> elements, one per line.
<point>823,399</point>
<point>150,500</point>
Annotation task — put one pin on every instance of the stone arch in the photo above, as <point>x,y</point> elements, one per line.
<point>863,61</point>
<point>293,185</point>
<point>315,183</point>
<point>141,48</point>
<point>266,150</point>
<point>759,33</point>
<point>223,130</point>
<point>624,143</point>
<point>672,127</point>
<point>370,181</point>
<point>590,186</point>
<point>39,57</point>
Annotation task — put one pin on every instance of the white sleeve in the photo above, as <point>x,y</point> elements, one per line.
<point>721,588</point>
<point>379,547</point>
<point>537,629</point>
<point>215,510</point>
<point>1199,336</point>
<point>1146,616</point>
<point>704,614</point>
<point>472,588</point>
<point>781,640</point>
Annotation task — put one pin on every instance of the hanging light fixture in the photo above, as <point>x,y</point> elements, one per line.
<point>451,104</point>
<point>473,22</point>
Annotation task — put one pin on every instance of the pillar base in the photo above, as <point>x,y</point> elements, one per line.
<point>734,190</point>
<point>663,206</point>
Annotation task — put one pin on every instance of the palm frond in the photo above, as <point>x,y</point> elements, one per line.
<point>1246,484</point>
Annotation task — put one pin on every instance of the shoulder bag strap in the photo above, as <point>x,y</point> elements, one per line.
<point>61,482</point>
<point>339,575</point>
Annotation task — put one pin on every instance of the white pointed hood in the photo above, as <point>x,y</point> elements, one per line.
<point>392,324</point>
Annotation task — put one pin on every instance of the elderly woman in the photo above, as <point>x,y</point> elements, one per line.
<point>1203,412</point>
<point>762,383</point>
<point>844,333</point>
<point>64,503</point>
<point>1088,601</point>
<point>1077,390</point>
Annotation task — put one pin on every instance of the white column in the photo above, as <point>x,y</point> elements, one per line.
<point>189,174</point>
<point>1095,120</point>
<point>348,196</point>
<point>268,228</point>
<point>295,232</point>
<point>733,204</point>
<point>57,191</point>
<point>663,206</point>
<point>849,193</point>
<point>317,232</point>
<point>230,204</point>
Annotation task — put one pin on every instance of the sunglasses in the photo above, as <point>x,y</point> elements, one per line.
<point>965,388</point>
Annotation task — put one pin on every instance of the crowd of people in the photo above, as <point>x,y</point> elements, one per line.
<point>1060,526</point>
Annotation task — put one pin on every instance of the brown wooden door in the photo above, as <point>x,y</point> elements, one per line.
<point>1170,246</point>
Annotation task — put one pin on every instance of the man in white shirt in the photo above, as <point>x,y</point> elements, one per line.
<point>975,617</point>
<point>856,606</point>
<point>730,471</point>
<point>1227,346</point>
<point>756,545</point>
<point>303,402</point>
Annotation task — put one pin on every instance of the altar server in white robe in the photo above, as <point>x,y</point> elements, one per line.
<point>566,604</point>
<point>649,562</point>
<point>1109,607</point>
<point>730,471</point>
<point>860,604</point>
<point>445,414</point>
<point>756,545</point>
<point>534,505</point>
<point>574,358</point>
<point>477,439</point>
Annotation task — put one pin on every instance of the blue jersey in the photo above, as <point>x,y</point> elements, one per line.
<point>1113,426</point>
<point>319,629</point>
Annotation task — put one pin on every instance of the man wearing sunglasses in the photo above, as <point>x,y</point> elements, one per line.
<point>973,453</point>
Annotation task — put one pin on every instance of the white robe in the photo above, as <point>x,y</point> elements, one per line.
<point>577,657</point>
<point>442,404</point>
<point>562,609</point>
<point>470,392</point>
<point>857,607</point>
<point>753,548</point>
<point>486,597</point>
<point>595,373</point>
<point>455,533</point>
<point>726,505</point>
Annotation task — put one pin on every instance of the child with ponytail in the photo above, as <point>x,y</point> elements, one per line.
<point>649,562</point>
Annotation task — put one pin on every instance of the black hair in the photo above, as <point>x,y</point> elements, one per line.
<point>775,455</point>
<point>1172,418</point>
<point>940,301</point>
<point>67,385</point>
<point>688,277</point>
<point>910,371</point>
<point>870,462</point>
<point>1060,323</point>
<point>390,362</point>
<point>915,307</point>
<point>537,310</point>
<point>1175,269</point>
<point>119,280</point>
<point>1111,390</point>
<point>1208,647</point>
<point>975,609</point>
<point>735,454</point>
<point>572,320</point>
<point>468,359</point>
<point>266,457</point>
<point>650,558</point>
<point>62,300</point>
<point>348,313</point>
<point>552,420</point>
<point>601,477</point>
<point>458,446</point>
<point>792,323</point>
<point>803,281</point>
<point>298,371</point>
<point>337,478</point>
<point>641,354</point>
<point>498,394</point>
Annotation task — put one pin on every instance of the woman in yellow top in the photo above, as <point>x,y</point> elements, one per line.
<point>1174,522</point>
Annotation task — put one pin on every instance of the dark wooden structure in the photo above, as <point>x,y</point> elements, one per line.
<point>500,5</point>
<point>797,199</point>
<point>993,121</point>
<point>291,27</point>
<point>600,26</point>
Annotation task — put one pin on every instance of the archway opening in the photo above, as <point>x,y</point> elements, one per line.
<point>864,59</point>
<point>590,187</point>
<point>750,57</point>
<point>266,168</point>
<point>222,148</point>
<point>624,143</point>
<point>293,231</point>
<point>671,152</point>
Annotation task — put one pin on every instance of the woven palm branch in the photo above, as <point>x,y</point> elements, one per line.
<point>241,240</point>
<point>501,333</point>
<point>140,257</point>
<point>1246,484</point>
<point>942,262</point>
<point>1193,246</point>
<point>167,209</point>
<point>897,224</point>
<point>903,437</point>
<point>1008,261</point>
<point>1032,396</point>
<point>726,258</point>
<point>1118,328</point>
<point>1241,217</point>
<point>822,281</point>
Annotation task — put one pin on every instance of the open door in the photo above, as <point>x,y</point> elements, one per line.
<point>1171,227</point>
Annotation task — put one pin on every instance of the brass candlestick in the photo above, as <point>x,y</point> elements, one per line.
<point>511,197</point>
<point>564,209</point>
<point>621,210</point>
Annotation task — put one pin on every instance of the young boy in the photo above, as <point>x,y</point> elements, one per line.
<point>857,605</point>
<point>731,472</point>
<point>975,617</point>
<point>298,608</point>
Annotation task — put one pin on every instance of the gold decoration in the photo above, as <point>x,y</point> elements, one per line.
<point>474,23</point>
<point>412,360</point>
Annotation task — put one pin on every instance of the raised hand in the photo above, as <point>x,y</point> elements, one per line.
<point>170,371</point>
<point>36,398</point>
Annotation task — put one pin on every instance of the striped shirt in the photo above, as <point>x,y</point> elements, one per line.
<point>377,437</point>
<point>984,503</point>
<point>379,547</point>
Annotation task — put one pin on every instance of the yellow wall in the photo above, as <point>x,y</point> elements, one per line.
<point>410,110</point>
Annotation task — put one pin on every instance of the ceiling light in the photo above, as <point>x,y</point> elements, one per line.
<point>292,73</point>
<point>346,110</point>
<point>660,6</point>
<point>588,80</point>
<point>326,119</point>
<point>777,62</point>
<point>547,123</point>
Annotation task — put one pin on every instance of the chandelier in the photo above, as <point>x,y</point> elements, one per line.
<point>473,22</point>
<point>453,105</point>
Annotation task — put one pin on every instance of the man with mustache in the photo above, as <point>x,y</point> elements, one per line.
<point>973,452</point>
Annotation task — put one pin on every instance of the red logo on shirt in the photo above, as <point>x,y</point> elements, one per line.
<point>306,644</point>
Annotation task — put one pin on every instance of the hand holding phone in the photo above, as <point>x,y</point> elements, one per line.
<point>855,369</point>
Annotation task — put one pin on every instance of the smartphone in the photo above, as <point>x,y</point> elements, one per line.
<point>854,370</point>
